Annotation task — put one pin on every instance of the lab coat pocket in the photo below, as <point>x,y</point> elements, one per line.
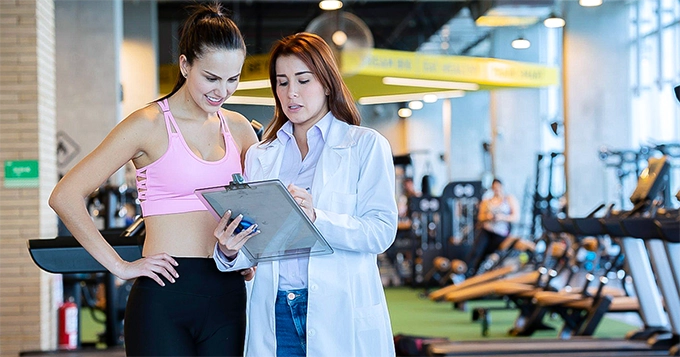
<point>368,322</point>
<point>343,202</point>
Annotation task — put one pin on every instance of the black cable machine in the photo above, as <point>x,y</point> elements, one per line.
<point>460,205</point>
<point>544,200</point>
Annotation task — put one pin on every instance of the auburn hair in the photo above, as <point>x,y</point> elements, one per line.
<point>315,53</point>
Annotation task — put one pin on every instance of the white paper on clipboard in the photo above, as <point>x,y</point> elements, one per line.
<point>285,230</point>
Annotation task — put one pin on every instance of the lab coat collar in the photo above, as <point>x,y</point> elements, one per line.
<point>338,138</point>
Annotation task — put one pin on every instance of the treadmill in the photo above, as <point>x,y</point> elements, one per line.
<point>669,229</point>
<point>64,255</point>
<point>650,184</point>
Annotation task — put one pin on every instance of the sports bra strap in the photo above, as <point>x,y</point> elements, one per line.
<point>164,105</point>
<point>169,119</point>
<point>223,121</point>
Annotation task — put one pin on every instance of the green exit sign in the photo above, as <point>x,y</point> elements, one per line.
<point>21,173</point>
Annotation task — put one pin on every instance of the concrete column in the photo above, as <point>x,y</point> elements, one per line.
<point>425,141</point>
<point>470,129</point>
<point>27,132</point>
<point>89,36</point>
<point>517,120</point>
<point>597,97</point>
<point>139,55</point>
<point>517,138</point>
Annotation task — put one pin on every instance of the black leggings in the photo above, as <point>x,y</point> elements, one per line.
<point>201,314</point>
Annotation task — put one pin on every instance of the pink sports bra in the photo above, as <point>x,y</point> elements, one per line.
<point>167,185</point>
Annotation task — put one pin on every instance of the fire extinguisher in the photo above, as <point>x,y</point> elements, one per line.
<point>68,325</point>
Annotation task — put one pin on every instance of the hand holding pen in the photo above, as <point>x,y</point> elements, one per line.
<point>232,233</point>
<point>303,197</point>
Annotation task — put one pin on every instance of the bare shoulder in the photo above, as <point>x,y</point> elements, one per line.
<point>144,130</point>
<point>240,128</point>
<point>145,118</point>
<point>236,120</point>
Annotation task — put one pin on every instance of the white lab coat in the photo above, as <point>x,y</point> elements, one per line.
<point>354,197</point>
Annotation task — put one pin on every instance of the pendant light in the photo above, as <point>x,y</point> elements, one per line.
<point>554,21</point>
<point>520,43</point>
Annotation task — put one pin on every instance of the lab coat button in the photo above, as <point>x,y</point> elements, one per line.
<point>311,332</point>
<point>291,296</point>
<point>314,287</point>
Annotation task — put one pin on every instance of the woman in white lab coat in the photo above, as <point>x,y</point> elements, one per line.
<point>342,176</point>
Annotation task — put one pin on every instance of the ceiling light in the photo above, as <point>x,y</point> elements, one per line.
<point>553,21</point>
<point>330,5</point>
<point>415,104</point>
<point>414,82</point>
<point>590,3</point>
<point>258,84</point>
<point>430,98</point>
<point>395,98</point>
<point>404,112</point>
<point>339,38</point>
<point>505,21</point>
<point>520,43</point>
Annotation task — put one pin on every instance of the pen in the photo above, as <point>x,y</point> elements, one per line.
<point>308,189</point>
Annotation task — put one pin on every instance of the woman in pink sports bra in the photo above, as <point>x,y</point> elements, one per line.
<point>180,304</point>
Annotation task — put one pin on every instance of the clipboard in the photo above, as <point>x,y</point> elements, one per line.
<point>285,230</point>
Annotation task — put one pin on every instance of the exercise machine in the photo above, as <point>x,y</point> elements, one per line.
<point>640,343</point>
<point>64,255</point>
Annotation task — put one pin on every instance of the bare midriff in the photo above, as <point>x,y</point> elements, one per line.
<point>190,234</point>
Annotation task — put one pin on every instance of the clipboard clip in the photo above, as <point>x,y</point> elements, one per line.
<point>237,179</point>
<point>238,182</point>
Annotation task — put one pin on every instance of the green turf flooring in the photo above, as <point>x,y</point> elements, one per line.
<point>90,328</point>
<point>413,314</point>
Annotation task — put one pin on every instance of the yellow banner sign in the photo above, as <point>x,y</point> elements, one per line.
<point>365,69</point>
<point>483,71</point>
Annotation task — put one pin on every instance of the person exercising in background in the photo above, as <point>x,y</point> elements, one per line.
<point>496,215</point>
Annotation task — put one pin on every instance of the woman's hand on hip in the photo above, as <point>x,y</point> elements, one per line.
<point>153,267</point>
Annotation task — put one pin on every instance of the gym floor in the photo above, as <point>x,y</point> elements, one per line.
<point>415,315</point>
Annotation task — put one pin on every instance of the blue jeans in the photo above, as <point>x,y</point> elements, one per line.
<point>291,323</point>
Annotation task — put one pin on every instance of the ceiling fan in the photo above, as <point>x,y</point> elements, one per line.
<point>349,37</point>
